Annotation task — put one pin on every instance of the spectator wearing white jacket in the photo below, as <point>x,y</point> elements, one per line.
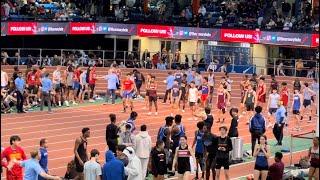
<point>143,148</point>
<point>133,169</point>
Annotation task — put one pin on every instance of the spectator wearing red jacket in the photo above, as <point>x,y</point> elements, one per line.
<point>13,155</point>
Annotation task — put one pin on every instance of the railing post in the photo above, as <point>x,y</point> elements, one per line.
<point>61,56</point>
<point>124,57</point>
<point>232,65</point>
<point>40,54</point>
<point>274,66</point>
<point>103,58</point>
<point>295,70</point>
<point>19,56</point>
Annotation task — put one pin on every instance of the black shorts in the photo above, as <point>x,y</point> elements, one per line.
<point>211,161</point>
<point>306,103</point>
<point>147,93</point>
<point>57,87</point>
<point>261,168</point>
<point>222,163</point>
<point>199,155</point>
<point>33,89</point>
<point>223,110</point>
<point>250,107</point>
<point>70,87</point>
<point>153,98</point>
<point>297,112</point>
<point>191,104</point>
<point>272,110</point>
<point>138,85</point>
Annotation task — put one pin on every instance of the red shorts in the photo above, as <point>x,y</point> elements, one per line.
<point>221,105</point>
<point>204,97</point>
<point>262,98</point>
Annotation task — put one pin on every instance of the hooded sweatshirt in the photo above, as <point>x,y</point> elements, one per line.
<point>113,169</point>
<point>143,144</point>
<point>257,123</point>
<point>133,170</point>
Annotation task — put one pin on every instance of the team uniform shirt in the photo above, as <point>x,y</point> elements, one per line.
<point>92,77</point>
<point>204,92</point>
<point>178,77</point>
<point>127,85</point>
<point>175,91</point>
<point>183,88</point>
<point>261,89</point>
<point>221,99</point>
<point>274,99</point>
<point>211,80</point>
<point>38,77</point>
<point>152,90</point>
<point>56,77</point>
<point>9,154</point>
<point>285,96</point>
<point>32,78</point>
<point>44,159</point>
<point>229,81</point>
<point>296,103</point>
<point>193,95</point>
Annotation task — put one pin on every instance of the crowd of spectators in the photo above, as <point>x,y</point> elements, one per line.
<point>273,15</point>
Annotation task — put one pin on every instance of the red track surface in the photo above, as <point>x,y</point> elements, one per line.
<point>63,126</point>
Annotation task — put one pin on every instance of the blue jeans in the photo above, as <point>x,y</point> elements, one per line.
<point>111,92</point>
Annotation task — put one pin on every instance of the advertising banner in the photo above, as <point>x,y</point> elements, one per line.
<point>52,28</point>
<point>282,38</point>
<point>196,33</point>
<point>4,28</point>
<point>22,28</point>
<point>82,28</point>
<point>116,29</point>
<point>155,31</point>
<point>315,40</point>
<point>234,35</point>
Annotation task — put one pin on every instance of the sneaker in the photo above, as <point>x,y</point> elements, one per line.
<point>309,121</point>
<point>171,114</point>
<point>91,101</point>
<point>149,113</point>
<point>67,103</point>
<point>183,110</point>
<point>156,113</point>
<point>74,103</point>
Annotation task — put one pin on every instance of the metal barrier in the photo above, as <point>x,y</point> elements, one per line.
<point>156,60</point>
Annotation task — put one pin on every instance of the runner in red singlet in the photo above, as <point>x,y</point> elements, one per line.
<point>284,94</point>
<point>222,99</point>
<point>128,88</point>
<point>262,89</point>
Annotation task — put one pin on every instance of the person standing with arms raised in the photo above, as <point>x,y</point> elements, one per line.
<point>80,151</point>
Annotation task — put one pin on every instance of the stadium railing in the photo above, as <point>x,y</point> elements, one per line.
<point>138,59</point>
